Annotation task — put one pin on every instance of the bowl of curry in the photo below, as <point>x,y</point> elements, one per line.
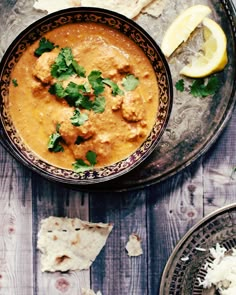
<point>86,95</point>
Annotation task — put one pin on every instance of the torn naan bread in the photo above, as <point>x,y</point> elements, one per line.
<point>70,244</point>
<point>155,8</point>
<point>54,5</point>
<point>128,8</point>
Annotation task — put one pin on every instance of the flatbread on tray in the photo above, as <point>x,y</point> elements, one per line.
<point>130,8</point>
<point>155,8</point>
<point>70,244</point>
<point>54,5</point>
<point>127,8</point>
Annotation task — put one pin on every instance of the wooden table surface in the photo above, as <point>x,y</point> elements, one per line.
<point>160,214</point>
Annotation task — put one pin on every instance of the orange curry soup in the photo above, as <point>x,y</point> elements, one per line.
<point>114,111</point>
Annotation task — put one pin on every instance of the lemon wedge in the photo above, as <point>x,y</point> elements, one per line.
<point>181,28</point>
<point>214,57</point>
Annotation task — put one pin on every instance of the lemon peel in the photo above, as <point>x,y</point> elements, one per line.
<point>182,27</point>
<point>214,57</point>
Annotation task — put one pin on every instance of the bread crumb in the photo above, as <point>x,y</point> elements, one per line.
<point>133,246</point>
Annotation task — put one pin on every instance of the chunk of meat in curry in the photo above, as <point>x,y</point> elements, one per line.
<point>42,68</point>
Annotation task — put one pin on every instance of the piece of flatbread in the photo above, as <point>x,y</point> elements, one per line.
<point>155,8</point>
<point>70,244</point>
<point>133,246</point>
<point>54,5</point>
<point>129,8</point>
<point>90,292</point>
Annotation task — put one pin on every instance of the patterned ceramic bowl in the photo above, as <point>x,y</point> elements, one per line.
<point>36,31</point>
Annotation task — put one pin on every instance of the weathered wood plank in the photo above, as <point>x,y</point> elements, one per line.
<point>50,199</point>
<point>174,206</point>
<point>16,273</point>
<point>219,180</point>
<point>113,272</point>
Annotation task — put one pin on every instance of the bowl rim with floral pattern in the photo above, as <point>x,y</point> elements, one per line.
<point>8,134</point>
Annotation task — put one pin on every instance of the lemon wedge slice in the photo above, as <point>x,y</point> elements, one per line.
<point>181,28</point>
<point>214,57</point>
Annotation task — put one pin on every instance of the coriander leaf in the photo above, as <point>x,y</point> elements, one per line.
<point>15,83</point>
<point>60,71</point>
<point>130,82</point>
<point>115,88</point>
<point>212,85</point>
<point>62,68</point>
<point>179,85</point>
<point>85,103</point>
<point>91,157</point>
<point>80,166</point>
<point>87,87</point>
<point>79,140</point>
<point>75,96</point>
<point>67,54</point>
<point>57,89</point>
<point>201,89</point>
<point>58,127</point>
<point>99,104</point>
<point>80,71</point>
<point>74,90</point>
<point>54,143</point>
<point>95,79</point>
<point>197,89</point>
<point>78,118</point>
<point>44,46</point>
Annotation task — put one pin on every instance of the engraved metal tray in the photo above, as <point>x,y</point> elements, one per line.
<point>195,123</point>
<point>186,264</point>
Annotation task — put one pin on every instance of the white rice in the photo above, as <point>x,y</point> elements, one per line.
<point>221,272</point>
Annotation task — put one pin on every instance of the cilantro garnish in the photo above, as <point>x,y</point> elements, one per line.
<point>99,104</point>
<point>87,87</point>
<point>179,85</point>
<point>115,88</point>
<point>15,83</point>
<point>74,93</point>
<point>96,81</point>
<point>130,82</point>
<point>65,65</point>
<point>85,103</point>
<point>200,88</point>
<point>79,140</point>
<point>54,141</point>
<point>57,89</point>
<point>44,46</point>
<point>80,71</point>
<point>78,118</point>
<point>91,157</point>
<point>81,166</point>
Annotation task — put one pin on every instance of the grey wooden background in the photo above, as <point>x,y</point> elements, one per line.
<point>161,214</point>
